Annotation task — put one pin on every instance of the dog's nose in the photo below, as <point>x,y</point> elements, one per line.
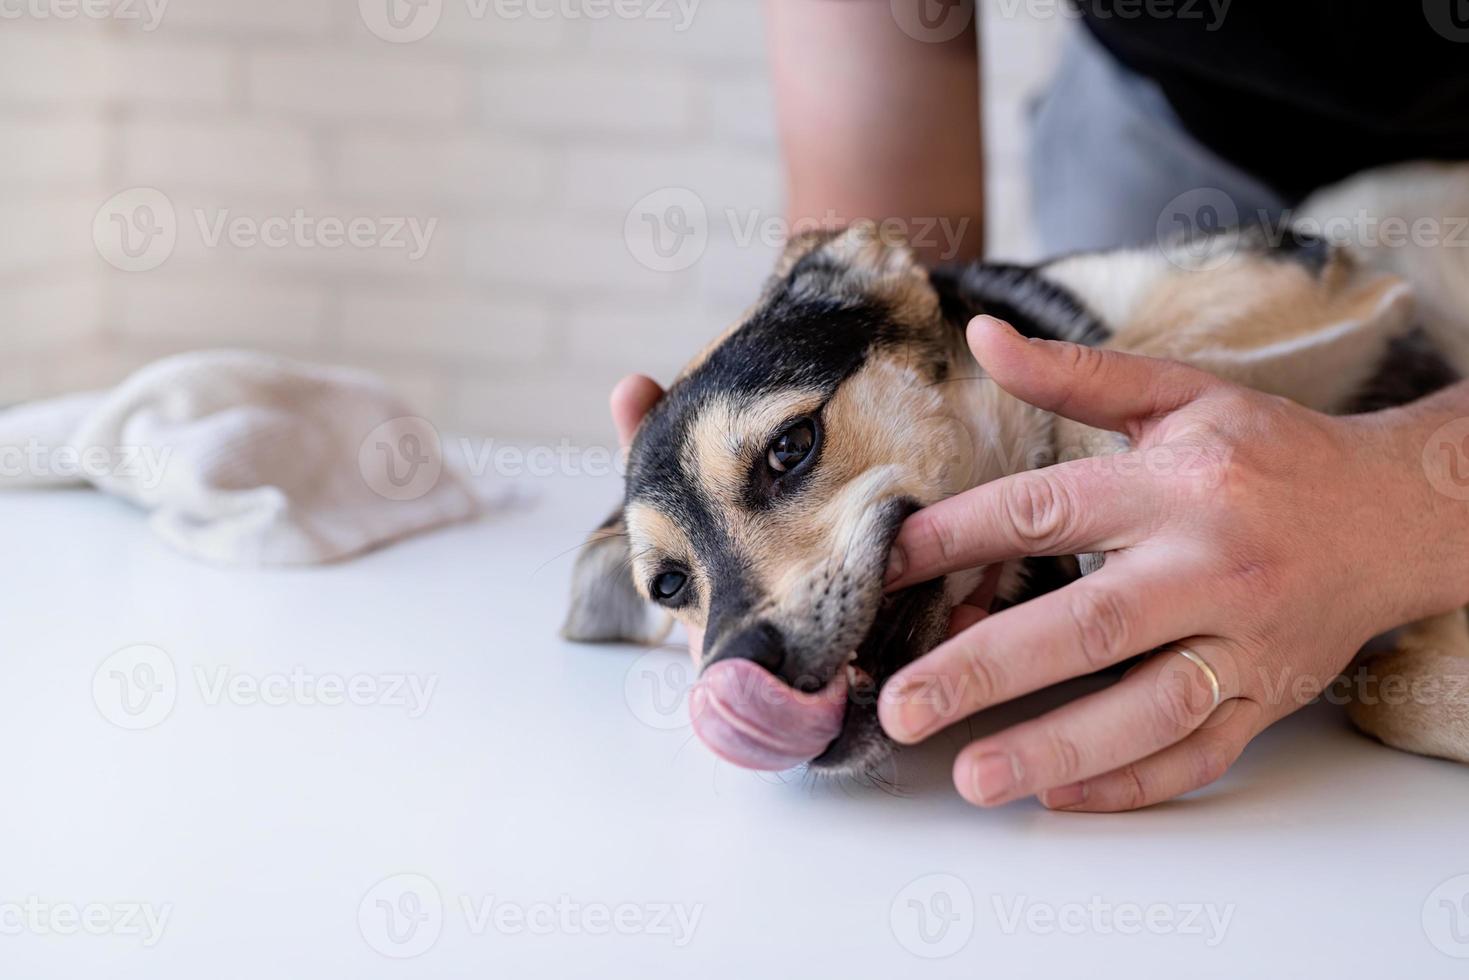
<point>758,642</point>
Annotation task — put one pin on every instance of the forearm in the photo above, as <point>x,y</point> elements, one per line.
<point>876,124</point>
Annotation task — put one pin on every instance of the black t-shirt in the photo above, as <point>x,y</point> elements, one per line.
<point>1303,92</point>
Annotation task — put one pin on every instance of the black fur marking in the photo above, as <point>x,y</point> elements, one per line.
<point>1040,575</point>
<point>796,340</point>
<point>1311,252</point>
<point>806,344</point>
<point>731,597</point>
<point>1411,368</point>
<point>1020,295</point>
<point>1283,243</point>
<point>819,263</point>
<point>802,337</point>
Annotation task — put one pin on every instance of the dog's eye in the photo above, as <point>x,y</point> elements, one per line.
<point>668,584</point>
<point>789,449</point>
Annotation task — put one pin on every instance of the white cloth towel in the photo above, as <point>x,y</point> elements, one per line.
<point>244,458</point>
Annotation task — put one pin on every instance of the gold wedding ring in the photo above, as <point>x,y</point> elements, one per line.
<point>1188,654</point>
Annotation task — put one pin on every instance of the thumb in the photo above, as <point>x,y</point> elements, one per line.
<point>632,398</point>
<point>1101,388</point>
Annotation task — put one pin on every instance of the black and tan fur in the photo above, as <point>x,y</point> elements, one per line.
<point>854,334</point>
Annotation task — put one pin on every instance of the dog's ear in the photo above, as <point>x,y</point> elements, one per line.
<point>1324,355</point>
<point>863,261</point>
<point>605,607</point>
<point>797,247</point>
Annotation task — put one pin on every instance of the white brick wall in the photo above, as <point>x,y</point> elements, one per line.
<point>572,99</point>
<point>53,64</point>
<point>252,18</point>
<point>227,155</point>
<point>148,70</point>
<point>340,88</point>
<point>43,150</point>
<point>480,169</point>
<point>522,139</point>
<point>284,316</point>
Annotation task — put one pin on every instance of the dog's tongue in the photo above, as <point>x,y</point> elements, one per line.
<point>752,718</point>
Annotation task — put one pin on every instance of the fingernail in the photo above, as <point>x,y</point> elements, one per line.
<point>996,321</point>
<point>897,564</point>
<point>995,776</point>
<point>1063,796</point>
<point>910,716</point>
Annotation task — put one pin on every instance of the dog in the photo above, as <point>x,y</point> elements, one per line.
<point>764,490</point>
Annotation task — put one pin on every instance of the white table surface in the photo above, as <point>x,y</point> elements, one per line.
<point>545,778</point>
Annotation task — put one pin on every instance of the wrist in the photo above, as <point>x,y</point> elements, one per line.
<point>1416,495</point>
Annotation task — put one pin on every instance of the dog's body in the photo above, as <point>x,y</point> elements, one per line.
<point>765,490</point>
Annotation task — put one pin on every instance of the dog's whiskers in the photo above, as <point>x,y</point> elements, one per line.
<point>967,377</point>
<point>578,547</point>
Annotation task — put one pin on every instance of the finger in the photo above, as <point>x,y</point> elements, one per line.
<point>1101,388</point>
<point>1096,504</point>
<point>1148,710</point>
<point>631,399</point>
<point>1185,766</point>
<point>1123,610</point>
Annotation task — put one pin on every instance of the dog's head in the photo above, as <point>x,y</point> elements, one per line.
<point>765,489</point>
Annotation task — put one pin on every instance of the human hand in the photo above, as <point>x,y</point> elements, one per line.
<point>1269,540</point>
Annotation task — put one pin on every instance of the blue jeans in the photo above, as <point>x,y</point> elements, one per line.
<point>1109,161</point>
